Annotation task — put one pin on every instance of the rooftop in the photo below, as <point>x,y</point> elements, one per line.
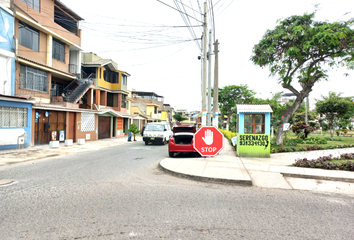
<point>253,108</point>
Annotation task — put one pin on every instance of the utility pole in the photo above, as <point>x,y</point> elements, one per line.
<point>209,82</point>
<point>216,81</point>
<point>204,59</point>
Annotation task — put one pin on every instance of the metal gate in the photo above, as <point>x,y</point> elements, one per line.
<point>104,127</point>
<point>48,125</point>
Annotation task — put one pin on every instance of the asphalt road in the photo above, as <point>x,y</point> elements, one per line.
<point>120,193</point>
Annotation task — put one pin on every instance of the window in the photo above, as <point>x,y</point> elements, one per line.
<point>124,79</point>
<point>35,4</point>
<point>110,76</point>
<point>124,102</point>
<point>28,36</point>
<point>13,117</point>
<point>155,110</point>
<point>254,123</point>
<point>58,50</point>
<point>33,79</point>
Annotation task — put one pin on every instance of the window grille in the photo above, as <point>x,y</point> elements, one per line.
<point>28,36</point>
<point>33,79</point>
<point>58,50</point>
<point>35,4</point>
<point>13,117</point>
<point>87,122</point>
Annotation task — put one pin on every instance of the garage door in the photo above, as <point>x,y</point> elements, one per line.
<point>104,125</point>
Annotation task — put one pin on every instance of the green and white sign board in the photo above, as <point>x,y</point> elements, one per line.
<point>253,145</point>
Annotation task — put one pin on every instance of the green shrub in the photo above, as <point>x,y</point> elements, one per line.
<point>291,142</point>
<point>228,134</point>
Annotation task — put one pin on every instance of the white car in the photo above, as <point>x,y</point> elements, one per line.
<point>157,132</point>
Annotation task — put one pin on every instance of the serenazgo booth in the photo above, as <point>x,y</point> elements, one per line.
<point>253,130</point>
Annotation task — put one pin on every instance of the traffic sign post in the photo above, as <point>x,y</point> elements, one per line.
<point>208,141</point>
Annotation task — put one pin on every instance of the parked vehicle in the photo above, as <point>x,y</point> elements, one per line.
<point>182,140</point>
<point>157,132</point>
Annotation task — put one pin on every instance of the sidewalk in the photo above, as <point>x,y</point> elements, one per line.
<point>225,167</point>
<point>262,172</point>
<point>44,151</point>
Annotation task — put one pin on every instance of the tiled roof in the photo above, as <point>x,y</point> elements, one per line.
<point>253,108</point>
<point>102,62</point>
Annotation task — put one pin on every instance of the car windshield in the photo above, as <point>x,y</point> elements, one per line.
<point>154,128</point>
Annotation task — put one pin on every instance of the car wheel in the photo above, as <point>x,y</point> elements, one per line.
<point>146,142</point>
<point>164,141</point>
<point>171,154</point>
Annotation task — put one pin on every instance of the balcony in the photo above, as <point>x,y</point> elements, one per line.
<point>72,68</point>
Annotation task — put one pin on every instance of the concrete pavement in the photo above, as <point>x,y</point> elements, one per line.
<point>273,172</point>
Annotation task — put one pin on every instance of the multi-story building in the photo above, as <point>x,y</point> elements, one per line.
<point>15,112</point>
<point>48,63</point>
<point>149,107</point>
<point>146,103</point>
<point>65,102</point>
<point>109,96</point>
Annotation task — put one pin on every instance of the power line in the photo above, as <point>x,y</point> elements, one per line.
<point>178,10</point>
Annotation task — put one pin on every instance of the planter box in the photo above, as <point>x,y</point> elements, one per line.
<point>81,141</point>
<point>68,142</point>
<point>54,144</point>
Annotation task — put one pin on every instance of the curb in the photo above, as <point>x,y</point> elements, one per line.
<point>206,179</point>
<point>339,179</point>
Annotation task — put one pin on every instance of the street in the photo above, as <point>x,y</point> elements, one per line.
<point>120,193</point>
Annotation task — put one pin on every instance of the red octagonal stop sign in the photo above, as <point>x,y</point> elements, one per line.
<point>208,141</point>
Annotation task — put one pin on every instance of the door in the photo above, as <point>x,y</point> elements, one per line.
<point>48,125</point>
<point>104,127</point>
<point>41,135</point>
<point>71,128</point>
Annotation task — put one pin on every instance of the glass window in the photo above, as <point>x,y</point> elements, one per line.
<point>58,50</point>
<point>259,118</point>
<point>124,79</point>
<point>35,4</point>
<point>254,124</point>
<point>33,79</point>
<point>248,128</point>
<point>28,36</point>
<point>248,118</point>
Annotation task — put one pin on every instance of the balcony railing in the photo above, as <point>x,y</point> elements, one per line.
<point>72,68</point>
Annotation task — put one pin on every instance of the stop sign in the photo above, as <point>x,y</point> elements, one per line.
<point>208,141</point>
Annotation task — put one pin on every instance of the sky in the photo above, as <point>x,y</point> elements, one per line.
<point>149,40</point>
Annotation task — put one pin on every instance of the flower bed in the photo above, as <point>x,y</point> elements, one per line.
<point>327,162</point>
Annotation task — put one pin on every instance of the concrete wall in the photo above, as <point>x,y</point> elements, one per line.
<point>9,135</point>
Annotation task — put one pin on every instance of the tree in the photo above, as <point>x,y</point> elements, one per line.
<point>134,129</point>
<point>179,118</point>
<point>302,49</point>
<point>302,130</point>
<point>231,95</point>
<point>333,108</point>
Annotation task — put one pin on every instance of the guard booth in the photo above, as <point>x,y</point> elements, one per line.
<point>253,130</point>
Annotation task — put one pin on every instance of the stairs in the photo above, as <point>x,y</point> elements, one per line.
<point>76,90</point>
<point>79,91</point>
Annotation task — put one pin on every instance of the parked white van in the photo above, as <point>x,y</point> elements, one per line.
<point>157,132</point>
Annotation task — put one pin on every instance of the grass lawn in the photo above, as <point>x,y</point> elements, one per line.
<point>330,144</point>
<point>339,162</point>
